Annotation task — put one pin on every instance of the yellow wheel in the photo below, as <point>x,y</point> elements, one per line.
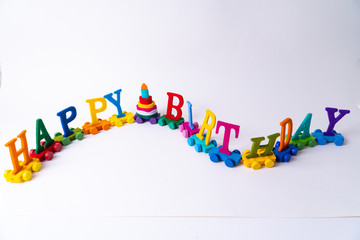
<point>255,165</point>
<point>26,176</point>
<point>118,123</point>
<point>131,120</point>
<point>269,163</point>
<point>36,166</point>
<point>247,163</point>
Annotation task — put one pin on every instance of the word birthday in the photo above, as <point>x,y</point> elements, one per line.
<point>146,111</point>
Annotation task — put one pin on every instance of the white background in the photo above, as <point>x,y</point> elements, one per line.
<point>253,63</point>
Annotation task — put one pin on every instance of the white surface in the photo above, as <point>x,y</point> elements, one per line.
<point>252,64</point>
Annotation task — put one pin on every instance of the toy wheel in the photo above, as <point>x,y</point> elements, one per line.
<point>162,122</point>
<point>286,157</point>
<point>106,126</point>
<point>93,130</point>
<point>213,142</point>
<point>191,141</point>
<point>300,145</point>
<point>269,163</point>
<point>49,155</point>
<point>255,165</point>
<point>139,120</point>
<point>32,151</point>
<point>229,163</point>
<point>131,120</point>
<point>181,127</point>
<point>311,143</point>
<point>236,151</point>
<point>198,147</point>
<point>36,167</point>
<point>57,134</point>
<point>293,151</point>
<point>186,133</point>
<point>58,147</point>
<point>153,120</point>
<point>318,131</point>
<point>339,142</point>
<point>214,157</point>
<point>26,176</point>
<point>321,141</point>
<point>79,136</point>
<point>118,123</point>
<point>65,141</point>
<point>172,126</point>
<point>195,124</point>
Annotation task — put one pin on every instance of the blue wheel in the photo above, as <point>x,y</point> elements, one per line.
<point>339,141</point>
<point>229,162</point>
<point>214,157</point>
<point>318,131</point>
<point>321,140</point>
<point>287,157</point>
<point>293,151</point>
<point>198,147</point>
<point>191,141</point>
<point>236,151</point>
<point>213,142</point>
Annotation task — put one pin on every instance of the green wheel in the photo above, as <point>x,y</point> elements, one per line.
<point>162,122</point>
<point>300,145</point>
<point>65,141</point>
<point>312,143</point>
<point>79,136</point>
<point>172,125</point>
<point>57,134</point>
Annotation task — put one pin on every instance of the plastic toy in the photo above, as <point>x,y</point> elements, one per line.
<point>198,140</point>
<point>222,153</point>
<point>96,123</point>
<point>200,145</point>
<point>168,118</point>
<point>285,154</point>
<point>77,133</point>
<point>65,121</point>
<point>146,108</point>
<point>116,121</point>
<point>22,169</point>
<point>322,139</point>
<point>48,152</point>
<point>189,128</point>
<point>330,135</point>
<point>93,129</point>
<point>42,133</point>
<point>283,150</point>
<point>230,160</point>
<point>116,102</point>
<point>332,120</point>
<point>260,154</point>
<point>302,137</point>
<point>256,162</point>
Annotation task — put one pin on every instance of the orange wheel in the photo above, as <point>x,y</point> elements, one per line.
<point>93,130</point>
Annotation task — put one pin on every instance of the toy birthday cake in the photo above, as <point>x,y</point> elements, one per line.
<point>196,135</point>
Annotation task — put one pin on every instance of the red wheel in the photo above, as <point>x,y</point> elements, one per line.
<point>57,147</point>
<point>49,155</point>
